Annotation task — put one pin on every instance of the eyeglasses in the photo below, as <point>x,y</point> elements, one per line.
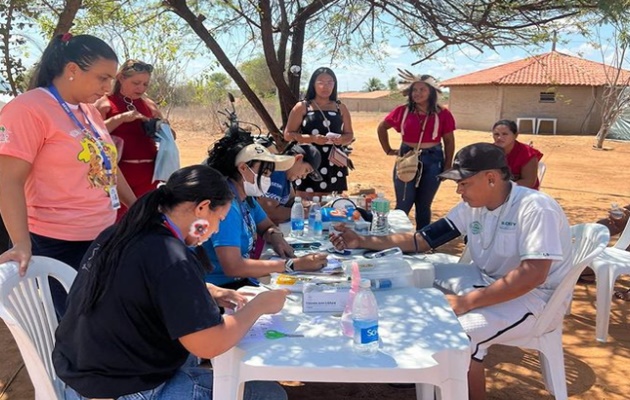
<point>139,66</point>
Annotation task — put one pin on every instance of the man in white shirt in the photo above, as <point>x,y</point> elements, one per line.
<point>520,244</point>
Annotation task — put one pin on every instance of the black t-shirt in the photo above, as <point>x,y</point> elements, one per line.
<point>129,341</point>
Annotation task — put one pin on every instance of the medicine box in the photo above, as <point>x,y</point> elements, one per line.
<point>321,297</point>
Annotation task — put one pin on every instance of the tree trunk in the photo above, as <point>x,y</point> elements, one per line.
<point>601,136</point>
<point>196,23</point>
<point>66,17</point>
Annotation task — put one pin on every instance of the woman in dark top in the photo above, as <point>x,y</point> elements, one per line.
<point>139,306</point>
<point>319,114</point>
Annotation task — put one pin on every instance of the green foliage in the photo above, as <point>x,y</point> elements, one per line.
<point>14,21</point>
<point>373,84</point>
<point>209,88</point>
<point>256,72</point>
<point>392,84</point>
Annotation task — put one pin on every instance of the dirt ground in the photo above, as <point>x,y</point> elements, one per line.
<point>584,181</point>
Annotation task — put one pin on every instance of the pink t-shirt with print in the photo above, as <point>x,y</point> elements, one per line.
<point>67,190</point>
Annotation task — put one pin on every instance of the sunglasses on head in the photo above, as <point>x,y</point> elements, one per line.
<point>140,67</point>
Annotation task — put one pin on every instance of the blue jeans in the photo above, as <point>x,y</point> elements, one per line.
<point>408,195</point>
<point>195,383</point>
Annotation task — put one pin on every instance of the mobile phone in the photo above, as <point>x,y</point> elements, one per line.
<point>306,246</point>
<point>394,251</point>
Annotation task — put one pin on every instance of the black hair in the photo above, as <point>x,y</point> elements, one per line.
<point>509,123</point>
<point>222,157</point>
<point>194,183</point>
<point>83,50</point>
<point>310,90</point>
<point>434,107</point>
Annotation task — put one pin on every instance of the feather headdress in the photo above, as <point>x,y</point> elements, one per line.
<point>408,78</point>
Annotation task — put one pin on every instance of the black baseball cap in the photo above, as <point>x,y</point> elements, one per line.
<point>311,156</point>
<point>475,158</point>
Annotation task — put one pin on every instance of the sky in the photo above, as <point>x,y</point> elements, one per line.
<point>451,62</point>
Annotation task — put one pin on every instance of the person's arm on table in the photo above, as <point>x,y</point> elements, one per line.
<point>227,298</point>
<point>346,238</point>
<point>235,265</point>
<point>211,342</point>
<point>274,236</point>
<point>13,174</point>
<point>526,277</point>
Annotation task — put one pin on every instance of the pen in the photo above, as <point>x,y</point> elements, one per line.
<point>292,298</point>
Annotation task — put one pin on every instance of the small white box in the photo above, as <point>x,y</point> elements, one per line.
<point>324,297</point>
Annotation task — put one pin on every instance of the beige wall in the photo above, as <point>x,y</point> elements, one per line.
<point>474,107</point>
<point>371,105</point>
<point>478,107</point>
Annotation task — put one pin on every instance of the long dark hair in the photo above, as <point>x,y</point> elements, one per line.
<point>194,183</point>
<point>82,50</point>
<point>310,91</point>
<point>434,107</point>
<point>222,157</point>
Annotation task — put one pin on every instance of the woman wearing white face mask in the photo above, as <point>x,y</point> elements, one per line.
<point>235,249</point>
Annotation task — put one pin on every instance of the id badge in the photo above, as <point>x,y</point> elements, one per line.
<point>113,197</point>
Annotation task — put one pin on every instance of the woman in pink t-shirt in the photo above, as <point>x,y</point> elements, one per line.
<point>58,172</point>
<point>521,158</point>
<point>422,123</point>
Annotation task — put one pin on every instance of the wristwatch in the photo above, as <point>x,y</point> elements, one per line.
<point>288,265</point>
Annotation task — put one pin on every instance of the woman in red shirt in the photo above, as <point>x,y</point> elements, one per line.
<point>124,110</point>
<point>424,123</point>
<point>522,159</point>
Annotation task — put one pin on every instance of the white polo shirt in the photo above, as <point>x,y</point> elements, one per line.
<point>529,226</point>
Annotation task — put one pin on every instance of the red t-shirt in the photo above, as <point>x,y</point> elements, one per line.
<point>414,122</point>
<point>137,145</point>
<point>519,156</point>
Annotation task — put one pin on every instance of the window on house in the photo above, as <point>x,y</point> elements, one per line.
<point>547,97</point>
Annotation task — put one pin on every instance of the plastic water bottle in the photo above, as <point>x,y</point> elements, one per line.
<point>346,318</point>
<point>380,210</point>
<point>315,231</point>
<point>297,218</point>
<point>616,212</point>
<point>365,320</point>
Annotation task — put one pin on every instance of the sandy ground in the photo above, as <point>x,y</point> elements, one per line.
<point>584,182</point>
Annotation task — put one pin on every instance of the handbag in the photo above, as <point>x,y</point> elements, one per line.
<point>408,165</point>
<point>338,157</point>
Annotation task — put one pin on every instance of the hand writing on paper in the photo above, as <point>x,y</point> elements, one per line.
<point>227,298</point>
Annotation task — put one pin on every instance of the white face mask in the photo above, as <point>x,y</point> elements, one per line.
<point>251,189</point>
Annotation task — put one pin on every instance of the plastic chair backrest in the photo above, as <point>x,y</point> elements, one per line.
<point>624,240</point>
<point>542,168</point>
<point>27,309</point>
<point>588,241</point>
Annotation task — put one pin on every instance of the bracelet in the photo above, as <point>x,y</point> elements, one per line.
<point>288,265</point>
<point>415,240</point>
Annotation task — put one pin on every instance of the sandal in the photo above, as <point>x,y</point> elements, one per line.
<point>622,294</point>
<point>587,277</point>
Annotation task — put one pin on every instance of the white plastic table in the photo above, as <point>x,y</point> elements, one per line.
<point>421,342</point>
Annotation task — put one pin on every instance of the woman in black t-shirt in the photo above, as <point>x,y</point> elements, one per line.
<point>139,306</point>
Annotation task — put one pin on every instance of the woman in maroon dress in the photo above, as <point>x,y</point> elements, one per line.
<point>124,110</point>
<point>521,158</point>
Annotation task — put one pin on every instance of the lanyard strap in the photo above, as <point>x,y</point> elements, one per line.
<point>97,137</point>
<point>245,213</point>
<point>170,225</point>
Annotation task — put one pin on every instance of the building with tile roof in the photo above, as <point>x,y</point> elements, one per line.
<point>547,86</point>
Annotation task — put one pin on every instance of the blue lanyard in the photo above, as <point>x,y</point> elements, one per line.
<point>98,140</point>
<point>170,225</point>
<point>250,224</point>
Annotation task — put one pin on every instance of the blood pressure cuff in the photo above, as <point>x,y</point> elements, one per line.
<point>440,232</point>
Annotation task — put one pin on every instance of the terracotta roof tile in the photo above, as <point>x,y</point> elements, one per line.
<point>377,94</point>
<point>553,68</point>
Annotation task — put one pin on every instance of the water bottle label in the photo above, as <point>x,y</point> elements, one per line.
<point>367,330</point>
<point>297,224</point>
<point>317,226</point>
<point>381,283</point>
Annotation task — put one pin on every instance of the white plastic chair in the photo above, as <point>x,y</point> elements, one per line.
<point>542,168</point>
<point>611,263</point>
<point>27,309</point>
<point>589,240</point>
